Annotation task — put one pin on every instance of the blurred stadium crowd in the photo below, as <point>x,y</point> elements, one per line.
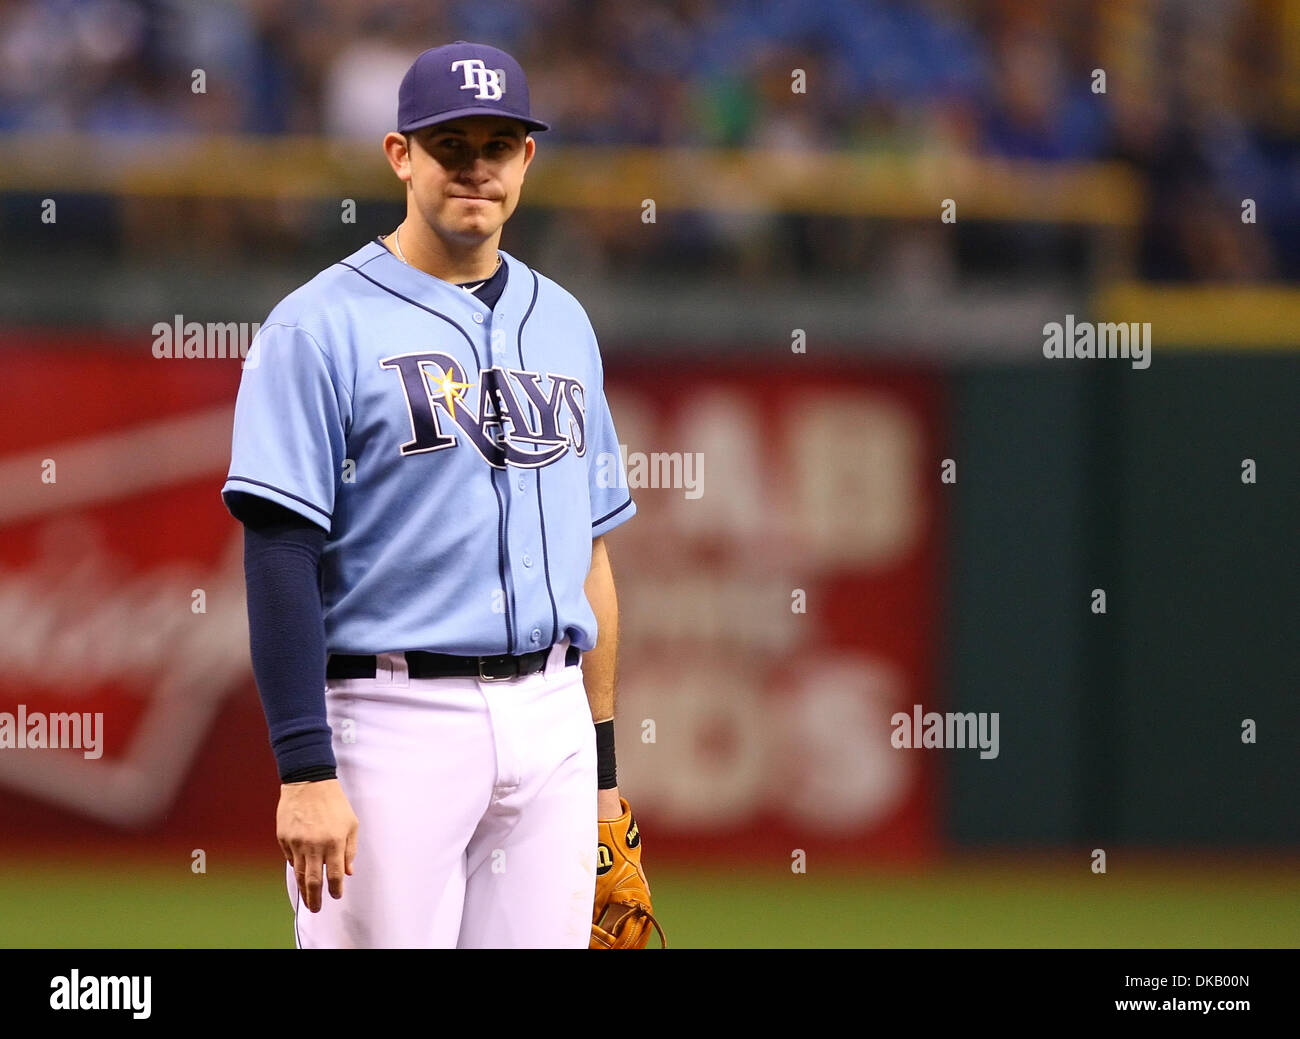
<point>1201,96</point>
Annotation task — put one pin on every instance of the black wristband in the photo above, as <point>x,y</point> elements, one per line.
<point>606,769</point>
<point>310,774</point>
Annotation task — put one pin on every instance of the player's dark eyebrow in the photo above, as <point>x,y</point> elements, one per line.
<point>511,132</point>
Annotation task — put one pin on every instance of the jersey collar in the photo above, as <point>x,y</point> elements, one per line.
<point>375,261</point>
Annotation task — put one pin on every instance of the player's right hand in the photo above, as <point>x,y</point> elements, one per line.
<point>317,831</point>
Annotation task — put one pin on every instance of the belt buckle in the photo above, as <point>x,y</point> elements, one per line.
<point>484,677</point>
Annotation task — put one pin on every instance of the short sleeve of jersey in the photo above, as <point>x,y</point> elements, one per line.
<point>611,502</point>
<point>291,418</point>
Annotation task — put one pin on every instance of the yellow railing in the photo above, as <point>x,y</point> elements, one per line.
<point>912,187</point>
<point>832,183</point>
<point>1238,317</point>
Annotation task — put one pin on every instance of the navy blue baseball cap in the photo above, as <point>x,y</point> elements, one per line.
<point>463,79</point>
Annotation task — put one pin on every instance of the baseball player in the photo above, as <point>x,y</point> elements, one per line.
<point>432,614</point>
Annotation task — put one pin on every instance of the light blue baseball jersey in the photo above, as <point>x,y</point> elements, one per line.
<point>457,455</point>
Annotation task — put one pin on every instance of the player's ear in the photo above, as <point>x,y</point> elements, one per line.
<point>530,148</point>
<point>397,149</point>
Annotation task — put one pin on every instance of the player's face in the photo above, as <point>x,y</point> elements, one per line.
<point>466,174</point>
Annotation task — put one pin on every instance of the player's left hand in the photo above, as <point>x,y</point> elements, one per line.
<point>622,916</point>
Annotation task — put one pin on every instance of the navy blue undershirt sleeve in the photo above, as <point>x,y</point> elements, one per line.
<point>286,624</point>
<point>286,627</point>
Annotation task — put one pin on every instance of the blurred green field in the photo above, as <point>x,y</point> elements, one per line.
<point>55,905</point>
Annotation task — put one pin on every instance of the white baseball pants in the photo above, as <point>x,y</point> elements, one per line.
<point>476,805</point>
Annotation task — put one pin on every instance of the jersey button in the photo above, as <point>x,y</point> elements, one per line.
<point>535,635</point>
<point>528,560</point>
<point>478,318</point>
<point>521,483</point>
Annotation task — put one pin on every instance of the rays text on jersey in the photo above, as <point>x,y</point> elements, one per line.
<point>507,415</point>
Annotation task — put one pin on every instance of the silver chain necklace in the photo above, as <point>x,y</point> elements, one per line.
<point>397,243</point>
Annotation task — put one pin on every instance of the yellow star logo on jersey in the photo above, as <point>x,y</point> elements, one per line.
<point>447,388</point>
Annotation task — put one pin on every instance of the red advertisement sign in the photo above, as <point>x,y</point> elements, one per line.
<point>778,613</point>
<point>778,600</point>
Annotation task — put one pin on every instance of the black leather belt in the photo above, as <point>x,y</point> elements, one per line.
<point>420,664</point>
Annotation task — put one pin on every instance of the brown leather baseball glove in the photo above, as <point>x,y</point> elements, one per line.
<point>622,917</point>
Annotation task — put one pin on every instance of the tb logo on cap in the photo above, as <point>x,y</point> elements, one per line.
<point>488,84</point>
